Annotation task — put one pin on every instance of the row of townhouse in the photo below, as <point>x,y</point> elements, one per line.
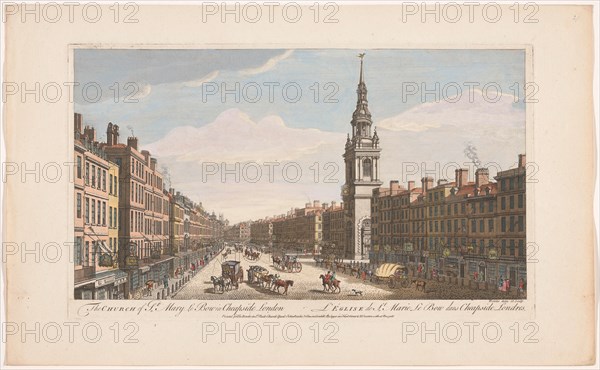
<point>300,230</point>
<point>461,228</point>
<point>128,228</point>
<point>239,232</point>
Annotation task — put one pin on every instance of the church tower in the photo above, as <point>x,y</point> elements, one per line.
<point>362,175</point>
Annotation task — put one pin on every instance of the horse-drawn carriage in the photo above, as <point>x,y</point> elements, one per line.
<point>255,273</point>
<point>392,273</point>
<point>232,270</point>
<point>287,263</point>
<point>251,254</point>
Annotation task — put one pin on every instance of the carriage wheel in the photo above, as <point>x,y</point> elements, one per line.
<point>298,267</point>
<point>339,289</point>
<point>405,283</point>
<point>392,283</point>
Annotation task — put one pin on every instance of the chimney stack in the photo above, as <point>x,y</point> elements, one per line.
<point>317,204</point>
<point>132,141</point>
<point>77,126</point>
<point>109,134</point>
<point>522,161</point>
<point>90,133</point>
<point>482,177</point>
<point>394,186</point>
<point>462,177</point>
<point>112,134</point>
<point>411,185</point>
<point>333,204</point>
<point>153,164</point>
<point>116,134</point>
<point>307,205</point>
<point>442,182</point>
<point>325,205</point>
<point>427,183</point>
<point>146,155</point>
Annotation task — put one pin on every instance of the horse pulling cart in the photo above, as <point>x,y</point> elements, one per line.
<point>287,263</point>
<point>392,273</point>
<point>251,254</point>
<point>233,271</point>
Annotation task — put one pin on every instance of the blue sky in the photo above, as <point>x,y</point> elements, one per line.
<point>171,104</point>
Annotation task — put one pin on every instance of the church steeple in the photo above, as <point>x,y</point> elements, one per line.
<point>361,158</point>
<point>361,118</point>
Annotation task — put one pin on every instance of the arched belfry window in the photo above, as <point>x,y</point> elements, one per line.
<point>367,168</point>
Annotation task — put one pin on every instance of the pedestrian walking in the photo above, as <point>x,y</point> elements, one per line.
<point>521,288</point>
<point>501,283</point>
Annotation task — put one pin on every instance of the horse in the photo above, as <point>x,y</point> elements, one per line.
<point>330,285</point>
<point>283,284</point>
<point>218,282</point>
<point>278,261</point>
<point>266,280</point>
<point>228,283</point>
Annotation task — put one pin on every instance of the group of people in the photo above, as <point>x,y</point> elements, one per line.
<point>504,285</point>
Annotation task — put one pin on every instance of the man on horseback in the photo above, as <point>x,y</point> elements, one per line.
<point>330,283</point>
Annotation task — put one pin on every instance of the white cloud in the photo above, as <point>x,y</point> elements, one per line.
<point>144,90</point>
<point>475,114</point>
<point>234,137</point>
<point>270,64</point>
<point>398,124</point>
<point>207,78</point>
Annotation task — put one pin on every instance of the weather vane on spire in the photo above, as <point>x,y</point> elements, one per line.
<point>361,55</point>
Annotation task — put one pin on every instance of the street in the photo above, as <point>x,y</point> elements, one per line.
<point>307,285</point>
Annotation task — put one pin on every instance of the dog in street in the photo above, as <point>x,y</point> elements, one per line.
<point>357,292</point>
<point>419,284</point>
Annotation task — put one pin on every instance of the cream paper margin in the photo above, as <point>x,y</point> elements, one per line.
<point>559,217</point>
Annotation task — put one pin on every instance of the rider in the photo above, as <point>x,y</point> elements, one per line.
<point>333,276</point>
<point>327,277</point>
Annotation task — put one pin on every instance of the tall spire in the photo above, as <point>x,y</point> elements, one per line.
<point>361,113</point>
